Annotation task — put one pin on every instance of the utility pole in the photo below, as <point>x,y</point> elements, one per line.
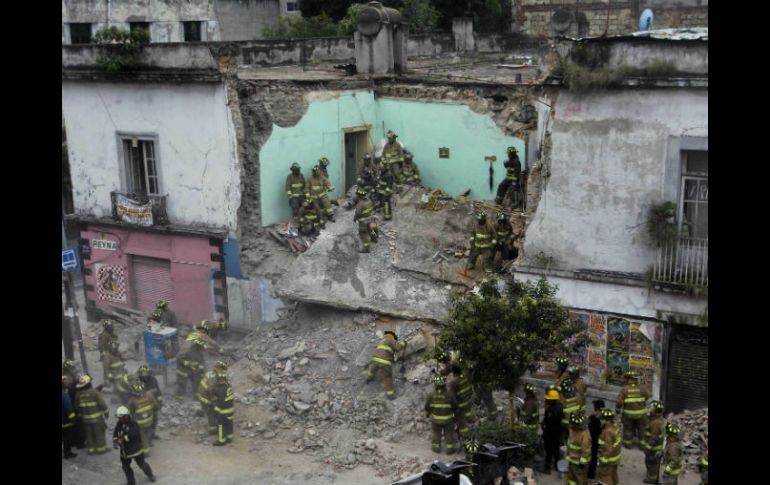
<point>72,304</point>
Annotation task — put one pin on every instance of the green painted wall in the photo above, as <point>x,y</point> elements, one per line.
<point>422,128</point>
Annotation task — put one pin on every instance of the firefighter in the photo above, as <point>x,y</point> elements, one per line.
<point>410,172</point>
<point>68,420</point>
<point>632,401</point>
<point>440,408</point>
<point>369,165</point>
<point>367,228</point>
<point>116,369</point>
<point>323,164</point>
<point>443,361</point>
<point>578,450</point>
<point>167,317</point>
<point>672,456</point>
<point>151,387</point>
<point>206,394</point>
<point>570,406</point>
<point>561,364</point>
<point>529,413</point>
<point>505,239</point>
<point>551,425</point>
<point>609,450</point>
<point>385,192</point>
<point>92,409</point>
<point>703,468</point>
<point>511,185</point>
<point>214,327</point>
<point>128,437</point>
<point>460,387</point>
<point>190,362</point>
<point>393,156</point>
<point>385,355</point>
<point>308,219</point>
<point>317,187</point>
<point>595,428</point>
<point>143,407</point>
<point>366,184</point>
<point>295,188</point>
<point>69,368</point>
<point>653,442</point>
<point>108,335</point>
<point>580,386</point>
<point>224,407</point>
<point>482,242</point>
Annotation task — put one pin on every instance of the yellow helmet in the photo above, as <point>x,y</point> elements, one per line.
<point>552,395</point>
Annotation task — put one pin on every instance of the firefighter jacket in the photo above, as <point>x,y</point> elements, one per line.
<point>410,172</point>
<point>67,411</point>
<point>392,153</point>
<point>503,233</point>
<point>654,434</point>
<point>129,438</point>
<point>152,388</point>
<point>483,236</point>
<point>307,214</point>
<point>223,399</point>
<point>386,351</point>
<point>571,405</point>
<point>385,184</point>
<point>295,185</point>
<point>206,388</point>
<point>364,209</point>
<point>317,187</point>
<point>513,169</point>
<point>580,390</point>
<point>142,409</point>
<point>90,405</point>
<point>116,368</point>
<point>633,400</point>
<point>672,457</point>
<point>530,414</point>
<point>460,386</point>
<point>104,343</point>
<point>609,444</point>
<point>366,184</point>
<point>579,446</point>
<point>167,318</point>
<point>191,355</point>
<point>440,406</point>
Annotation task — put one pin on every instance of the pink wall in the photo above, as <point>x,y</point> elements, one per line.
<point>190,263</point>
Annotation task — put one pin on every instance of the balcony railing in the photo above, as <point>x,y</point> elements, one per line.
<point>683,263</point>
<point>139,208</point>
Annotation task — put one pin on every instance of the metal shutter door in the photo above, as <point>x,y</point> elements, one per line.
<point>151,279</point>
<point>687,369</point>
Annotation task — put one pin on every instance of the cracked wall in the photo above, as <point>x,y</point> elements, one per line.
<point>196,156</point>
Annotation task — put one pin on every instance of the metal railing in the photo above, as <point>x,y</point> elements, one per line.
<point>158,203</point>
<point>684,262</point>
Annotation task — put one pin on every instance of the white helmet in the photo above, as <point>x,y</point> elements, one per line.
<point>122,411</point>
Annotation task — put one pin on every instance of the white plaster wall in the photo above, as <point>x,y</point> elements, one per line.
<point>196,146</point>
<point>622,299</point>
<point>607,167</point>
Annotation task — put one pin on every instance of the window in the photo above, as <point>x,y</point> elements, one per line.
<point>141,167</point>
<point>140,25</point>
<point>292,6</point>
<point>80,33</point>
<point>694,220</point>
<point>192,31</point>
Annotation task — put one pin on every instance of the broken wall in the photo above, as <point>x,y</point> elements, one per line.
<point>196,159</point>
<point>608,165</point>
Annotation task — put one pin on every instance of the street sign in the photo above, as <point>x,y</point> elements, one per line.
<point>69,260</point>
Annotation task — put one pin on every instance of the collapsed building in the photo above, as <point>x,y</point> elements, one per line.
<point>178,167</point>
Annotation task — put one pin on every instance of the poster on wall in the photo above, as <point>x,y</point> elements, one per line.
<point>643,365</point>
<point>618,334</point>
<point>597,364</point>
<point>617,365</point>
<point>597,331</point>
<point>639,343</point>
<point>110,283</point>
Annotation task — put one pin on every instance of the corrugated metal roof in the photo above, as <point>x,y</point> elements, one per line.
<point>694,33</point>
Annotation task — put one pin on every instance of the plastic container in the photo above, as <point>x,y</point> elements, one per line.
<point>161,346</point>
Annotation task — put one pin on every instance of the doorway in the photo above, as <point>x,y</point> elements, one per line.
<point>356,143</point>
<point>686,369</point>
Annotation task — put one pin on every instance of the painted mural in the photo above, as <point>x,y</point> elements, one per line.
<point>110,283</point>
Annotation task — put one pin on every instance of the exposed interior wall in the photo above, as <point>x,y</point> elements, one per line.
<point>195,153</point>
<point>607,167</point>
<point>245,19</point>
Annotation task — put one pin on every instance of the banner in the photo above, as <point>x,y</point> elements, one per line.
<point>132,212</point>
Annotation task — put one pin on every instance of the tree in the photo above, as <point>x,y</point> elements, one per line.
<point>348,24</point>
<point>301,28</point>
<point>488,15</point>
<point>501,337</point>
<point>421,15</point>
<point>119,48</point>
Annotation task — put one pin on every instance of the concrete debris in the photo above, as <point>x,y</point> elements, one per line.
<point>695,430</point>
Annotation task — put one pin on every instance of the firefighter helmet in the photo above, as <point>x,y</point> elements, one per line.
<point>471,446</point>
<point>323,162</point>
<point>122,411</point>
<point>143,370</point>
<point>605,413</point>
<point>552,395</point>
<point>84,380</point>
<point>577,419</point>
<point>562,361</point>
<point>395,337</point>
<point>529,388</point>
<point>69,365</point>
<point>161,305</point>
<point>673,429</point>
<point>656,407</point>
<point>439,381</point>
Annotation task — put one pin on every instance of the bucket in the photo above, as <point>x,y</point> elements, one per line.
<point>562,466</point>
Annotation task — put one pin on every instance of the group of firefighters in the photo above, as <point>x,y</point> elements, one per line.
<point>591,454</point>
<point>84,410</point>
<point>382,176</point>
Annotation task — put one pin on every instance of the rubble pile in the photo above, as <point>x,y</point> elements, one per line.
<point>695,430</point>
<point>310,380</point>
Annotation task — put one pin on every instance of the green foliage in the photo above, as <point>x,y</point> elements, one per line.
<point>421,15</point>
<point>301,27</point>
<point>501,337</point>
<point>661,223</point>
<point>348,25</point>
<point>497,434</point>
<point>119,48</point>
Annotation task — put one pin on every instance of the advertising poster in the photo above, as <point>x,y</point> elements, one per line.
<point>617,365</point>
<point>597,364</point>
<point>618,334</point>
<point>642,364</point>
<point>639,343</point>
<point>597,331</point>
